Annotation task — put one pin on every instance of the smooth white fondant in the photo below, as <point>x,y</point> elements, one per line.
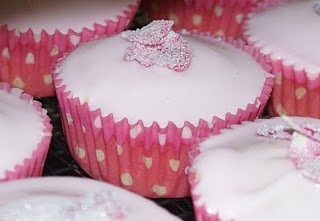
<point>21,129</point>
<point>290,32</point>
<point>61,15</point>
<point>246,177</point>
<point>220,79</point>
<point>54,192</point>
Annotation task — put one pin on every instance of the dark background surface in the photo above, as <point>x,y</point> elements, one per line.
<point>60,163</point>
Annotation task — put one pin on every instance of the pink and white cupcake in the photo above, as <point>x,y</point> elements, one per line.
<point>26,134</point>
<point>288,32</point>
<point>263,170</point>
<point>134,103</point>
<point>76,199</point>
<point>223,18</point>
<point>33,34</point>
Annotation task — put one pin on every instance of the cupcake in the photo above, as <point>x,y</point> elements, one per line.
<point>26,134</point>
<point>223,18</point>
<point>78,199</point>
<point>272,28</point>
<point>263,170</point>
<point>33,34</point>
<point>133,104</point>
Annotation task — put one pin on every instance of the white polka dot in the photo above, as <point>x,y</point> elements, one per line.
<point>80,152</point>
<point>119,150</point>
<point>174,164</point>
<point>239,18</point>
<point>218,11</point>
<point>280,110</point>
<point>74,39</point>
<point>173,17</point>
<point>135,131</point>
<point>126,179</point>
<point>83,129</point>
<point>69,118</point>
<point>54,51</point>
<point>300,92</point>
<point>159,190</point>
<point>47,79</point>
<point>17,82</point>
<point>162,139</point>
<point>6,53</point>
<point>196,20</point>
<point>147,161</point>
<point>278,79</point>
<point>97,122</point>
<point>29,58</point>
<point>220,33</point>
<point>100,155</point>
<point>186,133</point>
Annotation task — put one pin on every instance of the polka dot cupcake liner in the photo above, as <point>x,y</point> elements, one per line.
<point>150,161</point>
<point>215,16</point>
<point>27,59</point>
<point>294,92</point>
<point>31,166</point>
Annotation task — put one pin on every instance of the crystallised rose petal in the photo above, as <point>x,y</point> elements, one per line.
<point>136,110</point>
<point>245,176</point>
<point>156,44</point>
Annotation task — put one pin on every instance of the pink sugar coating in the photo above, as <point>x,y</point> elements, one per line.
<point>156,44</point>
<point>118,133</point>
<point>33,165</point>
<point>58,42</point>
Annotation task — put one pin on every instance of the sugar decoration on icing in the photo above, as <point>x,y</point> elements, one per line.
<point>98,205</point>
<point>157,44</point>
<point>304,145</point>
<point>316,6</point>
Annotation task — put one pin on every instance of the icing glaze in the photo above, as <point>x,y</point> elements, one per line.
<point>60,14</point>
<point>252,177</point>
<point>97,73</point>
<point>46,199</point>
<point>289,32</point>
<point>21,128</point>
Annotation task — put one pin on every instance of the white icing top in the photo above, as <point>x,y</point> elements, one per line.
<point>21,129</point>
<point>246,177</point>
<point>220,79</point>
<point>74,199</point>
<point>289,32</point>
<point>60,15</point>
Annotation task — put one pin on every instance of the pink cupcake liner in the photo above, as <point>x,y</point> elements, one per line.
<point>294,93</point>
<point>31,166</point>
<point>215,16</point>
<point>151,160</point>
<point>26,59</point>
